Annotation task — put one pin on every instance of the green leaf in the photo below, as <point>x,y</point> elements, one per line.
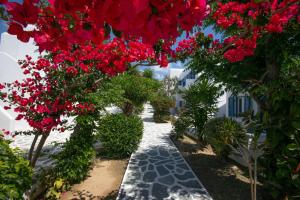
<point>296,124</point>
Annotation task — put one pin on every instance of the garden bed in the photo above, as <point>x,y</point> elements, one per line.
<point>103,182</point>
<point>223,179</point>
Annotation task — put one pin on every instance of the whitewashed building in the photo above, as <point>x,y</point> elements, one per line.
<point>12,50</point>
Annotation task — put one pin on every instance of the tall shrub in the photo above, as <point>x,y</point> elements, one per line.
<point>161,104</point>
<point>201,102</point>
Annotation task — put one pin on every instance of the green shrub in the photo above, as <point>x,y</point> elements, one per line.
<point>201,100</point>
<point>222,132</point>
<point>161,105</point>
<point>74,161</point>
<point>137,91</point>
<point>120,134</point>
<point>138,109</point>
<point>181,124</point>
<point>15,172</point>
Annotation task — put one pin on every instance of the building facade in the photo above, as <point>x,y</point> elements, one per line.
<point>229,104</point>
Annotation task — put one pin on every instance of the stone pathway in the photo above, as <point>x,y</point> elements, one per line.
<point>157,171</point>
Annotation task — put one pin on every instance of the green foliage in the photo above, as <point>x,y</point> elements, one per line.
<point>74,161</point>
<point>220,133</point>
<point>161,104</point>
<point>181,124</point>
<point>148,73</point>
<point>120,134</point>
<point>15,172</point>
<point>271,77</point>
<point>55,191</point>
<point>201,102</point>
<point>137,91</point>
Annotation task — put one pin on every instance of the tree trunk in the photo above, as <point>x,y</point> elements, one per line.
<point>39,149</point>
<point>36,136</point>
<point>127,108</point>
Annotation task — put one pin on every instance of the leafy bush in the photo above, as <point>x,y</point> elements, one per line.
<point>181,124</point>
<point>74,161</point>
<point>161,104</point>
<point>120,134</point>
<point>15,172</point>
<point>222,132</point>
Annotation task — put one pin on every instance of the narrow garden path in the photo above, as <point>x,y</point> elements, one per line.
<point>157,170</point>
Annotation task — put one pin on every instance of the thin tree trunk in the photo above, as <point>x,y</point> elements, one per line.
<point>127,108</point>
<point>36,136</point>
<point>255,177</point>
<point>251,178</point>
<point>39,149</point>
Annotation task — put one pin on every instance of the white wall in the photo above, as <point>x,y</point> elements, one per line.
<point>222,106</point>
<point>12,50</point>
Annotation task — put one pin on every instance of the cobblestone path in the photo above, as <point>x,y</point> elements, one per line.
<point>157,171</point>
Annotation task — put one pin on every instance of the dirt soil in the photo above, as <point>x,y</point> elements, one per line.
<point>223,179</point>
<point>102,184</point>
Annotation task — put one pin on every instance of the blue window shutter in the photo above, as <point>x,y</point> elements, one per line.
<point>247,103</point>
<point>235,106</point>
<point>230,106</point>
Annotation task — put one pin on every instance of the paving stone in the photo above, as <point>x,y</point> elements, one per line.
<point>183,166</point>
<point>170,167</point>
<point>167,180</point>
<point>149,176</point>
<point>186,175</point>
<point>164,153</point>
<point>150,167</point>
<point>164,162</point>
<point>144,168</point>
<point>178,170</point>
<point>162,170</point>
<point>159,191</point>
<point>152,153</point>
<point>141,156</point>
<point>143,185</point>
<point>143,162</point>
<point>190,184</point>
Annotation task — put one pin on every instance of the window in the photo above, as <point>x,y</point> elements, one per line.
<point>180,104</point>
<point>238,104</point>
<point>183,82</point>
<point>191,75</point>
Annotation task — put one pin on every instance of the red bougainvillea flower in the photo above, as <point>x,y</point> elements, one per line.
<point>61,24</point>
<point>244,15</point>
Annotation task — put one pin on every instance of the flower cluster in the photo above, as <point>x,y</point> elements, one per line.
<point>60,24</point>
<point>252,19</point>
<point>57,86</point>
